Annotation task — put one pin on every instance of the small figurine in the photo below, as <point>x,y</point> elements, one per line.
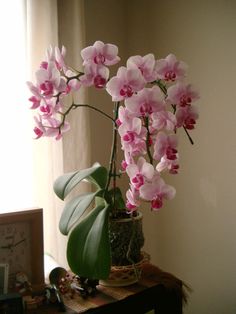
<point>53,296</point>
<point>22,284</point>
<point>70,284</point>
<point>86,287</point>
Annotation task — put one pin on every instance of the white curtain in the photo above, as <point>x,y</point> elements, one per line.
<point>52,22</point>
<point>15,139</point>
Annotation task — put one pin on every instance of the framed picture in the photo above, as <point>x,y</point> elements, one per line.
<point>21,245</point>
<point>3,278</point>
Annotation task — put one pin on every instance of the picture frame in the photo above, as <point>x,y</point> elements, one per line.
<point>3,278</point>
<point>21,245</point>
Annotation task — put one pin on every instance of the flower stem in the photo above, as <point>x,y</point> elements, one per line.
<point>189,137</point>
<point>74,106</point>
<point>146,121</point>
<point>162,86</point>
<point>112,163</point>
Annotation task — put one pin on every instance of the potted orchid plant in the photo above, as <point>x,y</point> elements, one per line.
<point>151,101</point>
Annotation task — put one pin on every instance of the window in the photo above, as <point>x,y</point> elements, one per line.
<point>15,125</point>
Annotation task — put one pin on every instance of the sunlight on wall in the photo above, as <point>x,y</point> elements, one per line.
<point>15,128</point>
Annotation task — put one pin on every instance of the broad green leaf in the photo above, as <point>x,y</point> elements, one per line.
<point>88,247</point>
<point>99,200</point>
<point>65,183</point>
<point>74,209</point>
<point>61,182</point>
<point>99,177</point>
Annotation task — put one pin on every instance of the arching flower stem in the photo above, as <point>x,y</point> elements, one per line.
<point>74,106</point>
<point>113,156</point>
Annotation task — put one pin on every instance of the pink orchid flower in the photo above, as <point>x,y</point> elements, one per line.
<point>94,74</point>
<point>186,116</point>
<point>39,129</point>
<point>163,120</point>
<point>133,201</point>
<point>166,164</point>
<point>127,82</point>
<point>140,172</point>
<point>100,53</point>
<point>49,107</point>
<point>181,94</point>
<point>124,165</point>
<point>146,101</point>
<point>145,64</point>
<point>129,129</point>
<point>36,98</point>
<point>35,102</point>
<point>49,81</point>
<point>156,191</point>
<point>50,127</point>
<point>170,69</point>
<point>124,115</point>
<point>128,159</point>
<point>56,55</point>
<point>59,58</point>
<point>165,145</point>
<point>137,147</point>
<point>133,136</point>
<point>46,110</point>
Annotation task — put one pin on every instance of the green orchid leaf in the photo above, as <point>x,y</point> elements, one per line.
<point>88,248</point>
<point>99,200</point>
<point>74,209</point>
<point>116,198</point>
<point>99,177</point>
<point>65,183</point>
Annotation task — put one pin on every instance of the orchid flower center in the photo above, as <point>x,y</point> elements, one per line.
<point>44,65</point>
<point>157,202</point>
<point>99,59</point>
<point>38,132</point>
<point>45,109</point>
<point>170,76</point>
<point>146,109</point>
<point>189,123</point>
<point>46,88</point>
<point>126,91</point>
<point>118,122</point>
<point>130,206</point>
<point>124,164</point>
<point>129,137</point>
<point>171,153</point>
<point>185,100</point>
<point>138,180</point>
<point>99,81</point>
<point>174,169</point>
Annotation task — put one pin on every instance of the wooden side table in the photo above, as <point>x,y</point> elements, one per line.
<point>156,290</point>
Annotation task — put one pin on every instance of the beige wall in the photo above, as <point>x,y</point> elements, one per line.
<point>194,236</point>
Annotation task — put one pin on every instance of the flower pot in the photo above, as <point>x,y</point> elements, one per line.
<point>126,241</point>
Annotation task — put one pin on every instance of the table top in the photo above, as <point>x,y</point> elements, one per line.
<point>151,277</point>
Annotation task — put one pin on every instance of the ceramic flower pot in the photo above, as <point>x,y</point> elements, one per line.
<point>126,240</point>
